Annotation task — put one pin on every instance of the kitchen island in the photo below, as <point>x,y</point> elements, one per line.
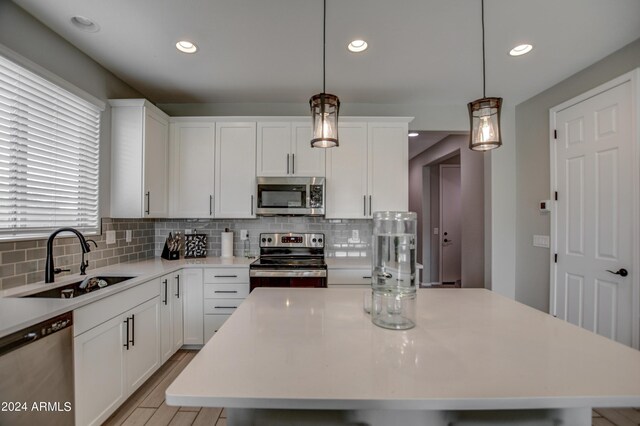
<point>299,355</point>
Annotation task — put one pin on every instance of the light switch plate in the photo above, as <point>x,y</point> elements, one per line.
<point>244,234</point>
<point>355,235</point>
<point>111,237</point>
<point>435,231</point>
<point>128,235</point>
<point>541,241</point>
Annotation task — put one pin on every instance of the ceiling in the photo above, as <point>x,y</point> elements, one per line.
<point>420,51</point>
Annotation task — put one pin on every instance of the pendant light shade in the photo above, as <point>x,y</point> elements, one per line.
<point>325,108</point>
<point>484,114</point>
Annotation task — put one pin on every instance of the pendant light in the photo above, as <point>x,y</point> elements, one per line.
<point>484,114</point>
<point>324,106</point>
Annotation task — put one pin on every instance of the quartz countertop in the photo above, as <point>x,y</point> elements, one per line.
<point>17,313</point>
<point>471,349</point>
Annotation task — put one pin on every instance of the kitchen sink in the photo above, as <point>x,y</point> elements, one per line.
<point>74,289</point>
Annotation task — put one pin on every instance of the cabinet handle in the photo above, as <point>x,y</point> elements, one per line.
<point>370,212</point>
<point>225,291</point>
<point>293,164</point>
<point>178,284</point>
<point>126,344</point>
<point>225,307</point>
<point>165,282</point>
<point>252,205</point>
<point>287,163</point>
<point>210,205</point>
<point>367,278</point>
<point>225,276</point>
<point>133,330</point>
<point>364,204</point>
<point>148,195</point>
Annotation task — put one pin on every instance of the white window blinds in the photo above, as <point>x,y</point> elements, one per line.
<point>49,142</point>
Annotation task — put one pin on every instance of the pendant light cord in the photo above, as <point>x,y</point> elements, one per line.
<point>324,42</point>
<point>483,65</point>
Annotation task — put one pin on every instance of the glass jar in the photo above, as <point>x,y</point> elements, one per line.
<point>394,277</point>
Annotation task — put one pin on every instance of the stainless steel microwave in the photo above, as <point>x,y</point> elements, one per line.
<point>302,196</point>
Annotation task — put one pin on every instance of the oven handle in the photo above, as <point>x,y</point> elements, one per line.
<point>279,273</point>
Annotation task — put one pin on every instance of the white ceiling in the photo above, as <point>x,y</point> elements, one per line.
<point>420,51</point>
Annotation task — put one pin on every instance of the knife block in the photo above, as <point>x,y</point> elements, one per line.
<point>169,254</point>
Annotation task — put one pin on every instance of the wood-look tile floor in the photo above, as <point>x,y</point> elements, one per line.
<point>146,406</point>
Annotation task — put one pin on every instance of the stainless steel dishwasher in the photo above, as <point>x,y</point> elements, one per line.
<point>36,374</point>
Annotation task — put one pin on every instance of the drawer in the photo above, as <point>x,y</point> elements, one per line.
<point>337,277</point>
<point>226,275</point>
<point>221,306</point>
<point>212,324</point>
<point>226,291</point>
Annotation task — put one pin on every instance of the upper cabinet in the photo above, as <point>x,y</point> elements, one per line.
<point>284,149</point>
<point>235,170</point>
<point>192,154</point>
<point>369,171</point>
<point>139,159</point>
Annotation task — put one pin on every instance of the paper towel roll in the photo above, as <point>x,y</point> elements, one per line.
<point>227,244</point>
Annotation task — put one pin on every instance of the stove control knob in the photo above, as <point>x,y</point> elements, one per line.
<point>264,239</point>
<point>269,239</point>
<point>319,240</point>
<point>313,240</point>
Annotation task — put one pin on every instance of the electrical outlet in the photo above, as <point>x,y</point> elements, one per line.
<point>127,235</point>
<point>244,234</point>
<point>436,231</point>
<point>355,235</point>
<point>111,237</point>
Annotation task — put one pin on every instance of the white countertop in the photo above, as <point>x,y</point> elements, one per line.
<point>471,349</point>
<point>18,313</point>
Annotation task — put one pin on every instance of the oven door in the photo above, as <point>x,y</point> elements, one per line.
<point>290,196</point>
<point>315,278</point>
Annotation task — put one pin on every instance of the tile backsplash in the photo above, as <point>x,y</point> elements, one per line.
<point>23,261</point>
<point>338,233</point>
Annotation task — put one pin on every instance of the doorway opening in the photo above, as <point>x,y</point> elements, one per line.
<point>446,190</point>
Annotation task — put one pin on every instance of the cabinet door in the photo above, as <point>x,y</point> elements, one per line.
<point>177,297</point>
<point>388,165</point>
<point>192,161</point>
<point>166,318</point>
<point>274,149</point>
<point>143,355</point>
<point>192,291</point>
<point>346,181</point>
<point>99,365</point>
<point>156,144</point>
<point>305,161</point>
<point>235,170</point>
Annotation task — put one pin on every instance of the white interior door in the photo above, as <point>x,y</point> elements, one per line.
<point>450,234</point>
<point>594,153</point>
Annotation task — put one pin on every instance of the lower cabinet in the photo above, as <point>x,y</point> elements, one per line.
<point>171,314</point>
<point>114,358</point>
<point>193,314</point>
<point>224,290</point>
<point>349,278</point>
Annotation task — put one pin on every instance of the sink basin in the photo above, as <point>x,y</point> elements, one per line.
<point>74,290</point>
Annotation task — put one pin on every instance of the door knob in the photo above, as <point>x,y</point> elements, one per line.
<point>622,272</point>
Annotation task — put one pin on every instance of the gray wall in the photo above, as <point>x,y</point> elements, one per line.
<point>533,174</point>
<point>472,181</point>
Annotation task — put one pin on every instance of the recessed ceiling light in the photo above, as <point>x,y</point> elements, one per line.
<point>358,46</point>
<point>186,46</point>
<point>413,134</point>
<point>85,24</point>
<point>521,50</point>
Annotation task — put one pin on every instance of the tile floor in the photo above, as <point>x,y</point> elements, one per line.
<point>146,406</point>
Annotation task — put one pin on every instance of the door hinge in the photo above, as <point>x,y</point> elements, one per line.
<point>555,258</point>
<point>555,134</point>
<point>556,195</point>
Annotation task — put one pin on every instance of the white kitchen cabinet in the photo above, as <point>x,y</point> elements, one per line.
<point>349,278</point>
<point>192,291</point>
<point>139,159</point>
<point>116,348</point>
<point>224,291</point>
<point>192,149</point>
<point>171,314</point>
<point>235,170</point>
<point>284,149</point>
<point>369,171</point>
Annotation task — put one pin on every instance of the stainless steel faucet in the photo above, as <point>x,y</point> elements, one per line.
<point>49,270</point>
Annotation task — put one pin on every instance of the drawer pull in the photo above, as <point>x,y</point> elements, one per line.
<point>225,291</point>
<point>367,278</point>
<point>225,307</point>
<point>225,276</point>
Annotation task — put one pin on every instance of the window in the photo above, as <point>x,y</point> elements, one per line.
<point>49,143</point>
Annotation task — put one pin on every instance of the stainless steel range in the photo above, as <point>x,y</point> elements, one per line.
<point>289,260</point>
